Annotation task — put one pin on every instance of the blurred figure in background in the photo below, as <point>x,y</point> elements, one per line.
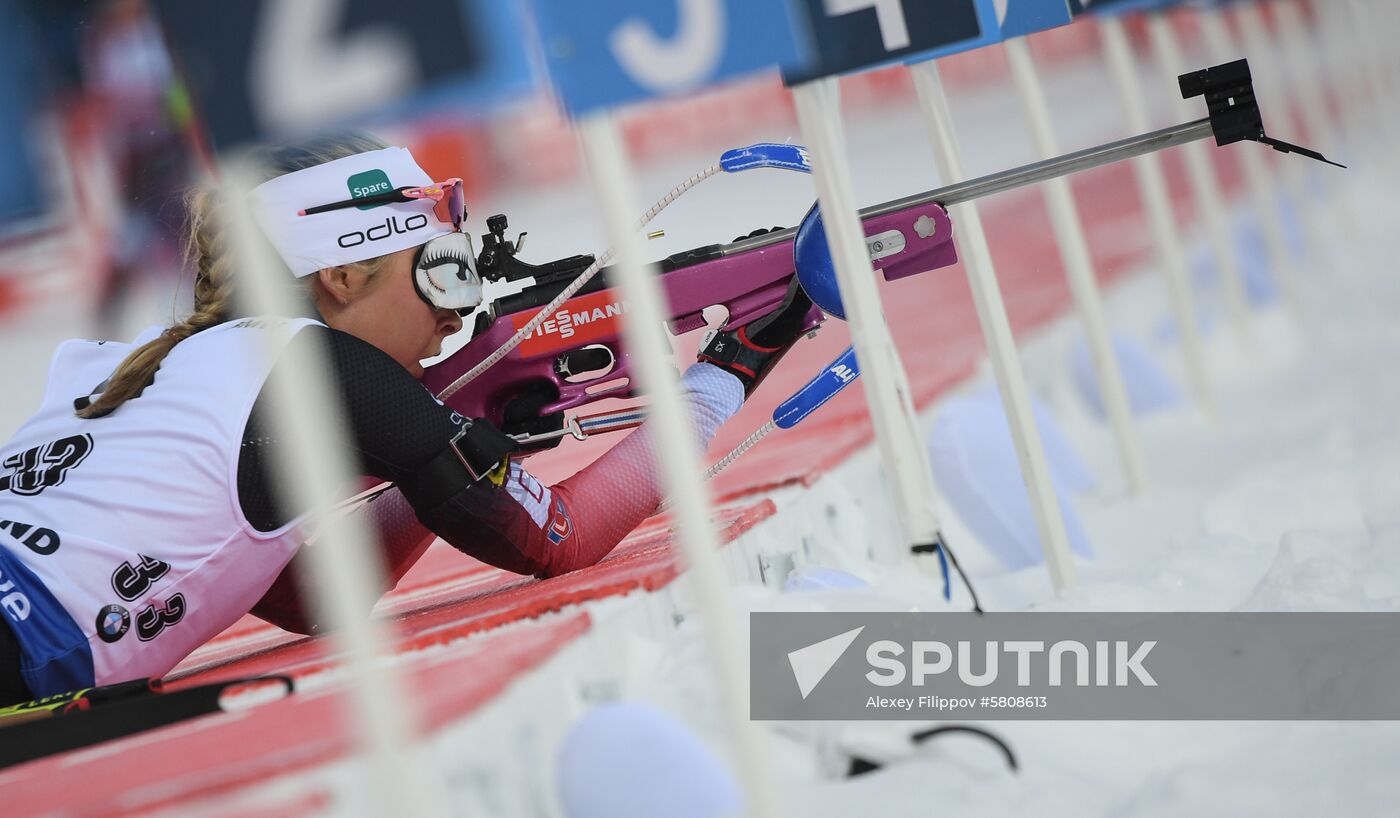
<point>21,192</point>
<point>145,116</point>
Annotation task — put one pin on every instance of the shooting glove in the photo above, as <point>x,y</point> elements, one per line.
<point>751,351</point>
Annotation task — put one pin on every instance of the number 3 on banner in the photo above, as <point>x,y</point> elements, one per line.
<point>894,31</point>
<point>685,61</point>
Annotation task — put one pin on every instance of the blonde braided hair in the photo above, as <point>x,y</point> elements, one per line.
<point>207,251</point>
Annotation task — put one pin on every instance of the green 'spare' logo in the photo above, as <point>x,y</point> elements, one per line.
<point>369,183</point>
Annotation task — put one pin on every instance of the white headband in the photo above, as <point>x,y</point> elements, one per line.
<point>351,234</point>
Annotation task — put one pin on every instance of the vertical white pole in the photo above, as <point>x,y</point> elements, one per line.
<point>1256,170</point>
<point>1306,74</point>
<point>1348,71</point>
<point>1385,34</point>
<point>1266,45</point>
<point>1079,267</point>
<point>346,573</point>
<point>1213,214</point>
<point>1384,15</point>
<point>1380,22</point>
<point>1270,80</point>
<point>976,257</point>
<point>1331,80</point>
<point>674,445</point>
<point>1349,52</point>
<point>887,394</point>
<point>1377,19</point>
<point>1156,197</point>
<point>1361,46</point>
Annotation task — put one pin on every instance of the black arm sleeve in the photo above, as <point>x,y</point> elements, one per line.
<point>396,426</point>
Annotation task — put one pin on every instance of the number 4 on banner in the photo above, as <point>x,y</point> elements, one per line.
<point>889,15</point>
<point>855,35</point>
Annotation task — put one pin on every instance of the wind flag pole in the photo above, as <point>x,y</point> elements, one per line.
<point>842,36</point>
<point>919,33</point>
<point>346,576</point>
<point>976,255</point>
<point>393,773</point>
<point>1213,214</point>
<point>902,448</point>
<point>1156,197</point>
<point>1344,74</point>
<point>1258,178</point>
<point>1368,55</point>
<point>1307,69</point>
<point>673,434</point>
<point>602,55</point>
<point>1263,49</point>
<point>1079,268</point>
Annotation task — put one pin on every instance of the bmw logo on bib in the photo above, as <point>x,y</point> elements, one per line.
<point>113,622</point>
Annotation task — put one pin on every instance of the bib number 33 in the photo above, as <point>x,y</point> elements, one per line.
<point>153,619</point>
<point>32,471</point>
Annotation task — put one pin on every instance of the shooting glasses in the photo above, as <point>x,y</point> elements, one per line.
<point>444,268</point>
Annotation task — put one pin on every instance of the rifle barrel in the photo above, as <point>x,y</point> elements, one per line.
<point>1016,177</point>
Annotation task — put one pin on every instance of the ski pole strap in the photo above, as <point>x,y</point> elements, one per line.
<point>767,155</point>
<point>790,412</point>
<point>818,391</point>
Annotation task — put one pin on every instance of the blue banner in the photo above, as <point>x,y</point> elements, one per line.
<point>267,68</point>
<point>854,35</point>
<point>1107,7</point>
<point>606,53</point>
<point>1025,17</point>
<point>20,189</point>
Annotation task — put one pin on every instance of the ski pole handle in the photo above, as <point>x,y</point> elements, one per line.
<point>818,391</point>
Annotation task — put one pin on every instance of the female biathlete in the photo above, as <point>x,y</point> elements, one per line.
<point>139,512</point>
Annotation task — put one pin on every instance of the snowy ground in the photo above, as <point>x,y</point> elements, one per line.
<point>1289,500</point>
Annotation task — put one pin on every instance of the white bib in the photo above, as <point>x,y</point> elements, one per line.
<point>132,521</point>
